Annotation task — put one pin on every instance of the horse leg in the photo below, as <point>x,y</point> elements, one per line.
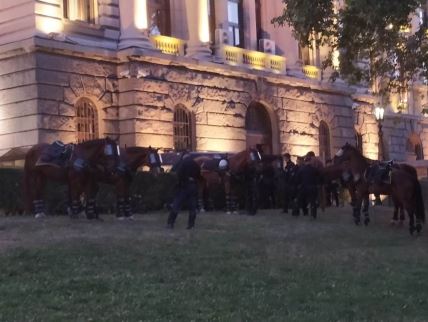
<point>91,193</point>
<point>366,204</point>
<point>402,215</point>
<point>38,202</point>
<point>356,210</point>
<point>202,188</point>
<point>411,213</point>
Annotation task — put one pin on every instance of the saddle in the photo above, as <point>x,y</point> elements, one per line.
<point>379,173</point>
<point>57,154</point>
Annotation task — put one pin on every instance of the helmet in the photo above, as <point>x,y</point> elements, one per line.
<point>223,164</point>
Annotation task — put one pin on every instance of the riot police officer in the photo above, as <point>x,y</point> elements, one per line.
<point>188,173</point>
<point>290,170</point>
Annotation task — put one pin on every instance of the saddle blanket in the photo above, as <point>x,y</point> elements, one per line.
<point>57,154</point>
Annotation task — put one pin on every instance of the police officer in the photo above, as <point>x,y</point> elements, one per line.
<point>289,189</point>
<point>188,173</point>
<point>307,178</point>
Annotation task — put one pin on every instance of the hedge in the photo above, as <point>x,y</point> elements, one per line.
<point>147,191</point>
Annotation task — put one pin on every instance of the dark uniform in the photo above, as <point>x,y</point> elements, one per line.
<point>289,186</point>
<point>307,179</point>
<point>188,173</point>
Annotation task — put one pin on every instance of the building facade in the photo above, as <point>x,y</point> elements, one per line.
<point>206,75</point>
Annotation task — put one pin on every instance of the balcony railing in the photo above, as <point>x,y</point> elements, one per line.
<point>311,71</point>
<point>252,59</point>
<point>168,45</point>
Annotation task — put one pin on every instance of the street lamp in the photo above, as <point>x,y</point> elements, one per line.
<point>379,114</point>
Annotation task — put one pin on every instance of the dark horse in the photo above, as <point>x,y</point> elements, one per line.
<point>404,186</point>
<point>131,158</point>
<point>85,159</point>
<point>243,168</point>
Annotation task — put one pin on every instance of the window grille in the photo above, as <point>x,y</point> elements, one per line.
<point>183,131</point>
<point>86,120</point>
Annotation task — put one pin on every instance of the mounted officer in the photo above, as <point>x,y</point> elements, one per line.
<point>188,174</point>
<point>290,170</point>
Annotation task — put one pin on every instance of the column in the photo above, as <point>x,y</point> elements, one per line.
<point>133,24</point>
<point>250,25</point>
<point>198,29</point>
<point>221,17</point>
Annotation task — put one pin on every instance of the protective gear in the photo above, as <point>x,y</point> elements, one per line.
<point>223,164</point>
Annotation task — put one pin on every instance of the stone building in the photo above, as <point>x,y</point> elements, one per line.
<point>208,75</point>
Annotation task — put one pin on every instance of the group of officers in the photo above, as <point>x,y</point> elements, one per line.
<point>301,181</point>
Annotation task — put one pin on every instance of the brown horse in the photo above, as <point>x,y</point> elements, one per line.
<point>242,168</point>
<point>404,188</point>
<point>85,159</point>
<point>131,158</point>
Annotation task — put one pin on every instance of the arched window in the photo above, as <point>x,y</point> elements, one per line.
<point>183,129</point>
<point>324,137</point>
<point>86,120</point>
<point>359,142</point>
<point>81,10</point>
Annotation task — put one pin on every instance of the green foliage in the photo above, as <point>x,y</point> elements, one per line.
<point>369,36</point>
<point>309,18</point>
<point>147,192</point>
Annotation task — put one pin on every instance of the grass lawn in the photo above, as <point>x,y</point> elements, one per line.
<point>270,267</point>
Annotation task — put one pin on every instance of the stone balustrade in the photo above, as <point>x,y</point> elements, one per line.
<point>311,71</point>
<point>168,45</point>
<point>252,59</point>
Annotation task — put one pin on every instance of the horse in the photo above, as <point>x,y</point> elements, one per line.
<point>243,167</point>
<point>131,158</point>
<point>404,186</point>
<point>270,181</point>
<point>85,158</point>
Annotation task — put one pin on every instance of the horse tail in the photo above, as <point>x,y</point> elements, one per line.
<point>419,204</point>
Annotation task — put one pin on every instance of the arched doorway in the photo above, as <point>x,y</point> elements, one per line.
<point>259,128</point>
<point>414,148</point>
<point>324,142</point>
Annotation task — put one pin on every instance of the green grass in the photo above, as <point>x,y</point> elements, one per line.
<point>270,267</point>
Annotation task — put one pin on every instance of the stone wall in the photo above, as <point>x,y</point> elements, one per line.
<point>136,98</point>
<point>61,81</point>
<point>18,101</point>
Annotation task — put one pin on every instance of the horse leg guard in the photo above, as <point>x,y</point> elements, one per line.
<point>228,204</point>
<point>314,212</point>
<point>75,209</point>
<point>39,208</point>
<point>191,222</point>
<point>127,209</point>
<point>201,205</point>
<point>171,219</point>
<point>90,209</point>
<point>120,208</point>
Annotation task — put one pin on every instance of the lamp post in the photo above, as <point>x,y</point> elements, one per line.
<point>379,114</point>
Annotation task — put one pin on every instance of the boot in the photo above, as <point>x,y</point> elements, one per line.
<point>171,220</point>
<point>191,222</point>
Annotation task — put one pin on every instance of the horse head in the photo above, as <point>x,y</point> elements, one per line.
<point>154,161</point>
<point>345,153</point>
<point>104,152</point>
